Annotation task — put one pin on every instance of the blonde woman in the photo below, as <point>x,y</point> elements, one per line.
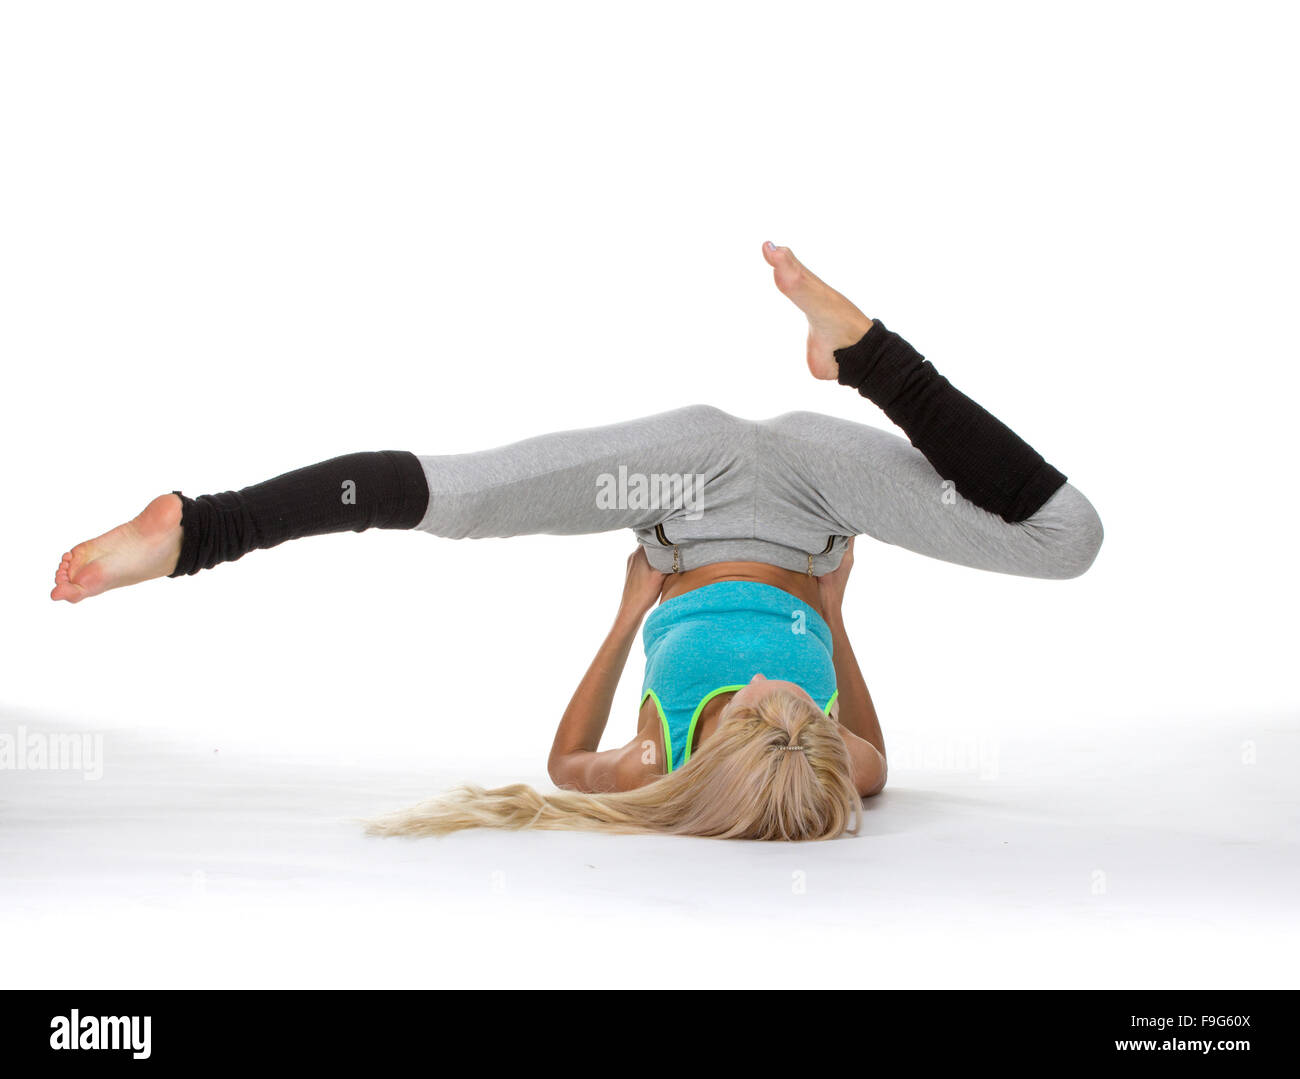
<point>755,721</point>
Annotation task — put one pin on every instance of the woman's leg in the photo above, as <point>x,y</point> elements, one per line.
<point>176,536</point>
<point>966,489</point>
<point>859,480</point>
<point>624,475</point>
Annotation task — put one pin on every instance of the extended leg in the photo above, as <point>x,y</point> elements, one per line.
<point>562,483</point>
<point>624,475</point>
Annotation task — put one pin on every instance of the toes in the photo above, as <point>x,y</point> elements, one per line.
<point>79,574</point>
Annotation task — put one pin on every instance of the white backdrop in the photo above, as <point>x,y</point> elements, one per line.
<point>240,238</point>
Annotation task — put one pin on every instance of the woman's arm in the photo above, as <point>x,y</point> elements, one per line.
<point>857,712</point>
<point>574,761</point>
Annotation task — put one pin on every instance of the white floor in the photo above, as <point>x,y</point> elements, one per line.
<point>1155,860</point>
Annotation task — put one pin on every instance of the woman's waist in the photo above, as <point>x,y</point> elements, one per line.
<point>800,585</point>
<point>694,563</point>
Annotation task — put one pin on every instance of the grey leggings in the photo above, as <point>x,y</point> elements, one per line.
<point>698,485</point>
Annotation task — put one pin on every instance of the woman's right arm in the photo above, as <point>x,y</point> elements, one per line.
<point>576,761</point>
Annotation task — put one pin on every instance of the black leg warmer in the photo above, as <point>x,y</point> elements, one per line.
<point>382,489</point>
<point>987,462</point>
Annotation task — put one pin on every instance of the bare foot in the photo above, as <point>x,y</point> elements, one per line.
<point>146,547</point>
<point>833,322</point>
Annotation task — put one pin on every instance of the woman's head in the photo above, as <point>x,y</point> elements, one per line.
<point>775,768</point>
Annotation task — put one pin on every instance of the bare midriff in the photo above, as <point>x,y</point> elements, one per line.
<point>801,585</point>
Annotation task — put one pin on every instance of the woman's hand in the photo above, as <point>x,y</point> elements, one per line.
<point>641,587</point>
<point>831,585</point>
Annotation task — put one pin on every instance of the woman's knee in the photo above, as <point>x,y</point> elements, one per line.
<point>704,429</point>
<point>1075,531</point>
<point>706,416</point>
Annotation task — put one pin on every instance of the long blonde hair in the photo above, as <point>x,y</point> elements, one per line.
<point>776,770</point>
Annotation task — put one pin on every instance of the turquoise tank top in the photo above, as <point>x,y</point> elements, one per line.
<point>714,639</point>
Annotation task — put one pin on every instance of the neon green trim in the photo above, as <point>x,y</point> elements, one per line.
<point>690,731</point>
<point>663,722</point>
<point>695,718</point>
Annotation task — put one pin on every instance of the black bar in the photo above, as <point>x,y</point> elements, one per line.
<point>1246,1029</point>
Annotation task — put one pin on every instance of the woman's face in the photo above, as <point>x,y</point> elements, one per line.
<point>759,687</point>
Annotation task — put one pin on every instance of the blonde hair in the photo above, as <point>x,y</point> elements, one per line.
<point>775,770</point>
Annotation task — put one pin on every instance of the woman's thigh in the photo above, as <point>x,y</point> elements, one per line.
<point>632,474</point>
<point>819,471</point>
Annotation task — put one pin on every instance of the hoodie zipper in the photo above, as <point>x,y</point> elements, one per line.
<point>677,562</point>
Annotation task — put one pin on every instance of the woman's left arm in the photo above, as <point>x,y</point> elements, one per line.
<point>860,727</point>
<point>575,761</point>
<point>857,712</point>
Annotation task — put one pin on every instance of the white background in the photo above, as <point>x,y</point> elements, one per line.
<point>240,238</point>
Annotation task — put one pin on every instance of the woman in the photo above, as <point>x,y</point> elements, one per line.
<point>755,720</point>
